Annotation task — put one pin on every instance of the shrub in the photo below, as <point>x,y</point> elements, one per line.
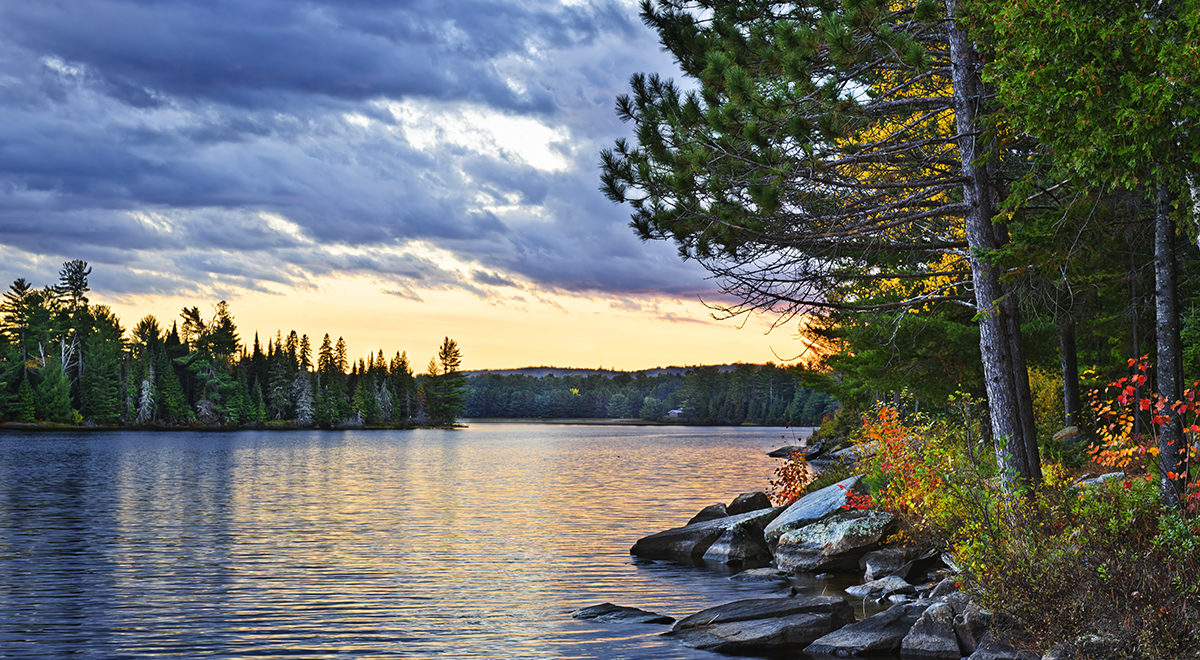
<point>791,480</point>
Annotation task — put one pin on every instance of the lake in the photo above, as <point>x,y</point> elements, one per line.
<point>475,542</point>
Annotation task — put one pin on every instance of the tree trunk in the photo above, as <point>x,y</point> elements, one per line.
<point>1169,370</point>
<point>1072,403</point>
<point>1007,382</point>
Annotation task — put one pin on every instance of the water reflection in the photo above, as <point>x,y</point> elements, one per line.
<point>469,543</point>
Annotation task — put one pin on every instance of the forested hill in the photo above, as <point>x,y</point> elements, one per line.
<point>725,394</point>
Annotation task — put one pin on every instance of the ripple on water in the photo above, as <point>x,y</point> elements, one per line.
<point>474,543</point>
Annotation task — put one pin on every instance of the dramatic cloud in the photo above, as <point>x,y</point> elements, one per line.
<point>225,145</point>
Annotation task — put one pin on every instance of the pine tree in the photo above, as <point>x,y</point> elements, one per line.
<point>53,394</point>
<point>26,407</point>
<point>446,385</point>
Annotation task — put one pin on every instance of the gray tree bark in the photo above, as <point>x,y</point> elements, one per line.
<point>1172,454</point>
<point>1006,379</point>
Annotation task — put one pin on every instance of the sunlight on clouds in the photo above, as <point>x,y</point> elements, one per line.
<point>159,222</point>
<point>428,126</point>
<point>281,225</point>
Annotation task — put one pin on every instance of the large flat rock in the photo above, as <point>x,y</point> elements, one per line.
<point>813,507</point>
<point>881,633</point>
<point>834,544</point>
<point>763,625</point>
<point>739,537</point>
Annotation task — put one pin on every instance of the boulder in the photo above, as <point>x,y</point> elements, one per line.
<point>834,544</point>
<point>813,507</point>
<point>786,452</point>
<point>886,561</point>
<point>992,647</point>
<point>740,533</point>
<point>737,546</point>
<point>1087,646</point>
<point>747,502</point>
<point>609,613</point>
<point>932,636</point>
<point>944,588</point>
<point>854,453</point>
<point>971,622</point>
<point>815,449</point>
<point>883,587</point>
<point>1096,481</point>
<point>881,633</point>
<point>710,512</point>
<point>763,625</point>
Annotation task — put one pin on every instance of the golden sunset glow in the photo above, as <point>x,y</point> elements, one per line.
<point>524,327</point>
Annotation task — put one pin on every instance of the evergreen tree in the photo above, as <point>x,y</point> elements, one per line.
<point>26,406</point>
<point>52,396</point>
<point>101,381</point>
<point>446,385</point>
<point>302,399</point>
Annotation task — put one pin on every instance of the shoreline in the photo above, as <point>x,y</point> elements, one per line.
<point>44,427</point>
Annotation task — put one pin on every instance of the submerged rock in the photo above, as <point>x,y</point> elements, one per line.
<point>761,625</point>
<point>886,586</point>
<point>760,575</point>
<point>609,613</point>
<point>881,633</point>
<point>786,452</point>
<point>813,507</point>
<point>736,538</point>
<point>835,543</point>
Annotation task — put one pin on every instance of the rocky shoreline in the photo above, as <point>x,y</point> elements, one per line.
<point>907,595</point>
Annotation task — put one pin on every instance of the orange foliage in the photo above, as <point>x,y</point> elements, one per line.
<point>912,477</point>
<point>1118,402</point>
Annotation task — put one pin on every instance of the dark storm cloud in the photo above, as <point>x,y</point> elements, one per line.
<point>231,143</point>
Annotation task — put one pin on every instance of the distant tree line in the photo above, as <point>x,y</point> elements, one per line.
<point>747,394</point>
<point>66,360</point>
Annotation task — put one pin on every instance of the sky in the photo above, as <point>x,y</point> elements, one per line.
<point>390,172</point>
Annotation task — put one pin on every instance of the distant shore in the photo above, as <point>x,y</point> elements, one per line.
<point>581,421</point>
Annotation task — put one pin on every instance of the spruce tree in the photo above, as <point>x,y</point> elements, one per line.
<point>52,397</point>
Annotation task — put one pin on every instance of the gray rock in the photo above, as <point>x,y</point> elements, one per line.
<point>760,575</point>
<point>992,647</point>
<point>833,544</point>
<point>1068,435</point>
<point>815,449</point>
<point>763,624</point>
<point>855,453</point>
<point>944,588</point>
<point>887,561</point>
<point>881,633</point>
<point>971,622</point>
<point>710,512</point>
<point>1086,646</point>
<point>786,452</point>
<point>747,502</point>
<point>932,636</point>
<point>1096,481</point>
<point>737,546</point>
<point>692,542</point>
<point>886,586</point>
<point>609,613</point>
<point>813,507</point>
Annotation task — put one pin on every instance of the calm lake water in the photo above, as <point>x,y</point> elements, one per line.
<point>469,543</point>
